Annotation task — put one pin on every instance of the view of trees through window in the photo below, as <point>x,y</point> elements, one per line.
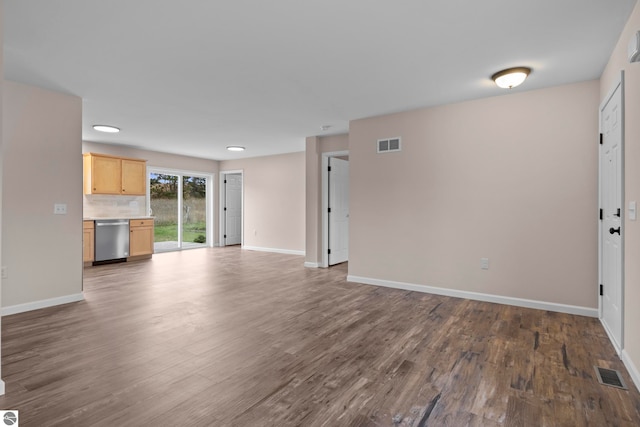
<point>164,191</point>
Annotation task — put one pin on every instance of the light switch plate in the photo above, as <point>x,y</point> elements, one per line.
<point>60,209</point>
<point>633,211</point>
<point>484,263</point>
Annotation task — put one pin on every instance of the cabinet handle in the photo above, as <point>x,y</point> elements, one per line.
<point>123,190</point>
<point>94,188</point>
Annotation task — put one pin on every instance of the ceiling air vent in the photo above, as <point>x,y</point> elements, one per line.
<point>388,145</point>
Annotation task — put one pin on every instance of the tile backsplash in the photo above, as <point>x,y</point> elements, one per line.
<point>108,206</point>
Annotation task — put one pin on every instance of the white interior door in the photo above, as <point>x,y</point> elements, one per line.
<point>611,203</point>
<point>338,211</point>
<point>233,209</point>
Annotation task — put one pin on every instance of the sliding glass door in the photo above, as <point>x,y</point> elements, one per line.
<point>180,203</point>
<point>194,208</point>
<point>163,192</point>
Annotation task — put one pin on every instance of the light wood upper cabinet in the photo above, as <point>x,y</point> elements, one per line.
<point>134,177</point>
<point>114,175</point>
<point>140,237</point>
<point>87,241</point>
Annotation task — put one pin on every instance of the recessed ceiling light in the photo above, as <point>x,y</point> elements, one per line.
<point>106,128</point>
<point>325,127</point>
<point>235,148</point>
<point>511,77</point>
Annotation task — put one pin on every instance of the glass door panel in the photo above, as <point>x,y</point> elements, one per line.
<point>194,211</point>
<point>163,192</point>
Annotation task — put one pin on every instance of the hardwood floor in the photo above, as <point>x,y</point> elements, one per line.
<point>225,337</point>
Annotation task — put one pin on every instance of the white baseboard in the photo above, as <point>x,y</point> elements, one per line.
<point>311,264</point>
<point>632,368</point>
<point>1,387</point>
<point>518,302</point>
<point>612,338</point>
<point>278,251</point>
<point>35,305</point>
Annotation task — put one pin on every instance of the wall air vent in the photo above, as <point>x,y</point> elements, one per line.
<point>388,145</point>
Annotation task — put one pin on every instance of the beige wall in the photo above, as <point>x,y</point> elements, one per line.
<point>274,200</point>
<point>154,158</point>
<point>1,162</point>
<point>312,201</point>
<point>95,206</point>
<point>512,178</point>
<point>618,62</point>
<point>315,146</point>
<point>42,138</point>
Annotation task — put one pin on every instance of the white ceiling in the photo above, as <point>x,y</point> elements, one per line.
<point>191,77</point>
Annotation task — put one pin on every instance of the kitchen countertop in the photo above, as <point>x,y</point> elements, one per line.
<point>118,217</point>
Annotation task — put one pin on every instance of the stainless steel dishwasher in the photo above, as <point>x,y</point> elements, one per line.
<point>112,239</point>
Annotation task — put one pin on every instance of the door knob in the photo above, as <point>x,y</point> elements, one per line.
<point>614,230</point>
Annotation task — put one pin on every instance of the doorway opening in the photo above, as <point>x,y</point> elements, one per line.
<point>335,208</point>
<point>181,204</point>
<point>231,208</point>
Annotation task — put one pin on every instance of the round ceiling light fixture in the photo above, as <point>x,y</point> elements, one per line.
<point>235,148</point>
<point>106,128</point>
<point>511,77</point>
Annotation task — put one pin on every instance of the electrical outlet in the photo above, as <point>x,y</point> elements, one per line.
<point>5,272</point>
<point>255,232</point>
<point>60,209</point>
<point>484,263</point>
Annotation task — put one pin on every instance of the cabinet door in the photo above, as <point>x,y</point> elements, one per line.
<point>134,177</point>
<point>106,175</point>
<point>141,238</point>
<point>87,244</point>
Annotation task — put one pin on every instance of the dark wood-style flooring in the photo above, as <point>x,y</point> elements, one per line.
<point>227,337</point>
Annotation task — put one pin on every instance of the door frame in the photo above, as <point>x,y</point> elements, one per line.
<point>209,198</point>
<point>325,202</point>
<point>221,198</point>
<point>618,82</point>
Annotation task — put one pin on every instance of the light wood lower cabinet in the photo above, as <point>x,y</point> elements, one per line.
<point>140,237</point>
<point>88,252</point>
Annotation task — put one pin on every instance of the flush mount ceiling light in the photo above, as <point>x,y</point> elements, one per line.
<point>511,77</point>
<point>106,128</point>
<point>325,127</point>
<point>235,148</point>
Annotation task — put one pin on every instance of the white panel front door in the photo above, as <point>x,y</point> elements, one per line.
<point>611,200</point>
<point>233,209</point>
<point>339,211</point>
